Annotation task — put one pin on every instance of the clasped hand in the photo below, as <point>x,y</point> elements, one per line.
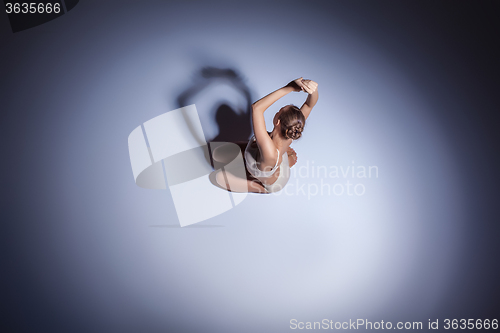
<point>301,84</point>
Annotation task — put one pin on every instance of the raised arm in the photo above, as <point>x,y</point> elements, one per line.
<point>259,125</point>
<point>311,88</point>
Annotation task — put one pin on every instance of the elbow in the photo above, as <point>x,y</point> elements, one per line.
<point>256,108</point>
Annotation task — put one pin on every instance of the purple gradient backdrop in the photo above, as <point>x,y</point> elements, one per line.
<point>409,87</point>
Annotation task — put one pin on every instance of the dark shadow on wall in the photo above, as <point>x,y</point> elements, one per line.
<point>233,126</point>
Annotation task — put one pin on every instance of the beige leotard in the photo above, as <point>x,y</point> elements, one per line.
<point>251,153</point>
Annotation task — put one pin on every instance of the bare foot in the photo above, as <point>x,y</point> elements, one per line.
<point>292,157</point>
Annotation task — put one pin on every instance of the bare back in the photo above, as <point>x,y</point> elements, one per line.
<point>269,163</point>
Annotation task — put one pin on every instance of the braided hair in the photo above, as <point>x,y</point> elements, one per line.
<point>292,122</point>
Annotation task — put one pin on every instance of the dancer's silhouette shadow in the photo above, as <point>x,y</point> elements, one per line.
<point>233,126</point>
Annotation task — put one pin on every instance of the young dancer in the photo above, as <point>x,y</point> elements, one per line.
<point>268,155</point>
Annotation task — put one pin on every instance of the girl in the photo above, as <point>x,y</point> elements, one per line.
<point>268,156</point>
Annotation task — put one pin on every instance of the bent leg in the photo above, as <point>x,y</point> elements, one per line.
<point>292,157</point>
<point>236,184</point>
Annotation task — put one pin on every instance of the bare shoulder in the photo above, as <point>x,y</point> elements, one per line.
<point>268,152</point>
<point>266,145</point>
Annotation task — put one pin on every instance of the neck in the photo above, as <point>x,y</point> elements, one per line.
<point>278,140</point>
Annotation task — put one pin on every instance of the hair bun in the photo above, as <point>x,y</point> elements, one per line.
<point>292,122</point>
<point>294,132</point>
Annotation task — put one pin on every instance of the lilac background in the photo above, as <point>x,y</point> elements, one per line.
<point>409,87</point>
